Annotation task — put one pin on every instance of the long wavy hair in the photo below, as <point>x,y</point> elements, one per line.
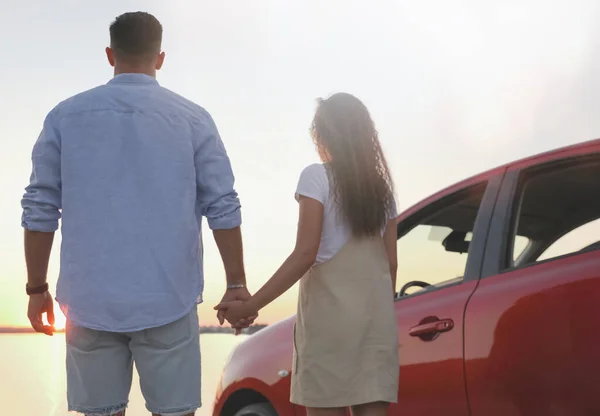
<point>348,144</point>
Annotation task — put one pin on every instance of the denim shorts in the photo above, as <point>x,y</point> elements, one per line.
<point>167,358</point>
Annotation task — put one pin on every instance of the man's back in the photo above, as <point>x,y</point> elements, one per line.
<point>139,166</point>
<point>133,167</point>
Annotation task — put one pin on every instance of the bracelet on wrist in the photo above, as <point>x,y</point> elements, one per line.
<point>36,290</point>
<point>236,286</point>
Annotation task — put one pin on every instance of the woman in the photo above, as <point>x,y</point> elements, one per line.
<point>345,338</point>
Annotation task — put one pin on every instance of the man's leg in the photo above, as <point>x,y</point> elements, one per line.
<point>99,371</point>
<point>168,361</point>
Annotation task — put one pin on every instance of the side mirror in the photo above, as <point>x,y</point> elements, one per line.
<point>455,242</point>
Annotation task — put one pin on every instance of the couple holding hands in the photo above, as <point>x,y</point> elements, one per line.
<point>132,168</point>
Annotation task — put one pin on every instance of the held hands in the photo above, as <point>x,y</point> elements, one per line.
<point>237,313</point>
<point>229,309</point>
<point>38,305</point>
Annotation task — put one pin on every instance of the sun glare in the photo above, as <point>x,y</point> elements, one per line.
<point>59,319</point>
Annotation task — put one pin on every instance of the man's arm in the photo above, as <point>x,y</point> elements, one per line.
<point>41,213</point>
<point>218,200</point>
<point>229,243</point>
<point>220,204</point>
<point>38,246</point>
<point>230,247</point>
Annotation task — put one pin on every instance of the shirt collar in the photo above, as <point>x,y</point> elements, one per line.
<point>133,79</point>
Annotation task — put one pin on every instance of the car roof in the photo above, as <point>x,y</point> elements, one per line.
<point>480,177</point>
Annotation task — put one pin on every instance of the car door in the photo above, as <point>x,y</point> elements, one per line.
<point>532,327</point>
<point>441,243</point>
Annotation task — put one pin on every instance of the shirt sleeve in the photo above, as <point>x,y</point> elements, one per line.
<point>217,198</point>
<point>43,197</point>
<point>313,183</point>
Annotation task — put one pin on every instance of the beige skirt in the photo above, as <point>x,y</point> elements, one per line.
<point>345,338</point>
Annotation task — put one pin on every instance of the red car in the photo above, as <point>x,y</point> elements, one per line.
<point>500,315</point>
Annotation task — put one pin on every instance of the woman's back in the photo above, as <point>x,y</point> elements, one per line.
<point>345,336</point>
<point>315,183</point>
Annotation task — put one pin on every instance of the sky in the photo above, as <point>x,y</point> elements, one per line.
<point>455,88</point>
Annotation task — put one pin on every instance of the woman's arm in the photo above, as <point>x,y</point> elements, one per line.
<point>390,240</point>
<point>308,238</point>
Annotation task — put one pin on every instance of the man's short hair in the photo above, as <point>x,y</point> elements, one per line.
<point>136,35</point>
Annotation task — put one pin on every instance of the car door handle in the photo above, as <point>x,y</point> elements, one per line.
<point>431,328</point>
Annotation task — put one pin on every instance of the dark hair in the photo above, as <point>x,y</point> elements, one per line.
<point>136,36</point>
<point>362,186</point>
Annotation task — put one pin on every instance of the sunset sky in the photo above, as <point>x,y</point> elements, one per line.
<point>455,87</point>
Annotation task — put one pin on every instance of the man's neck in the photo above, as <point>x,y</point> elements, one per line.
<point>135,70</point>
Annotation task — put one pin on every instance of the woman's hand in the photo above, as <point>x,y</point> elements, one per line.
<point>241,312</point>
<point>237,313</point>
<point>241,294</point>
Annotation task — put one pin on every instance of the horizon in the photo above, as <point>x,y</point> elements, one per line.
<point>454,90</point>
<point>8,329</point>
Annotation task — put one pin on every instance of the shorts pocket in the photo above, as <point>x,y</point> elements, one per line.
<point>170,335</point>
<point>81,338</point>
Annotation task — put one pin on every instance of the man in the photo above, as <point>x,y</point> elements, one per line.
<point>133,167</point>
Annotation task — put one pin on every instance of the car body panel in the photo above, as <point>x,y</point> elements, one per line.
<point>531,340</point>
<point>431,372</point>
<point>243,371</point>
<point>591,146</point>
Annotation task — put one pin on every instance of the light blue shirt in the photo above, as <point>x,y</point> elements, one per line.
<point>133,167</point>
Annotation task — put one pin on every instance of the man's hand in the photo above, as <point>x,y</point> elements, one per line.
<point>38,305</point>
<point>237,313</point>
<point>230,295</point>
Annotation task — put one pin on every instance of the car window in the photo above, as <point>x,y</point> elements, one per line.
<point>584,237</point>
<point>557,210</point>
<point>435,250</point>
<point>520,245</point>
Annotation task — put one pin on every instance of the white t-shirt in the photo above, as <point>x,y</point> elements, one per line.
<point>314,183</point>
